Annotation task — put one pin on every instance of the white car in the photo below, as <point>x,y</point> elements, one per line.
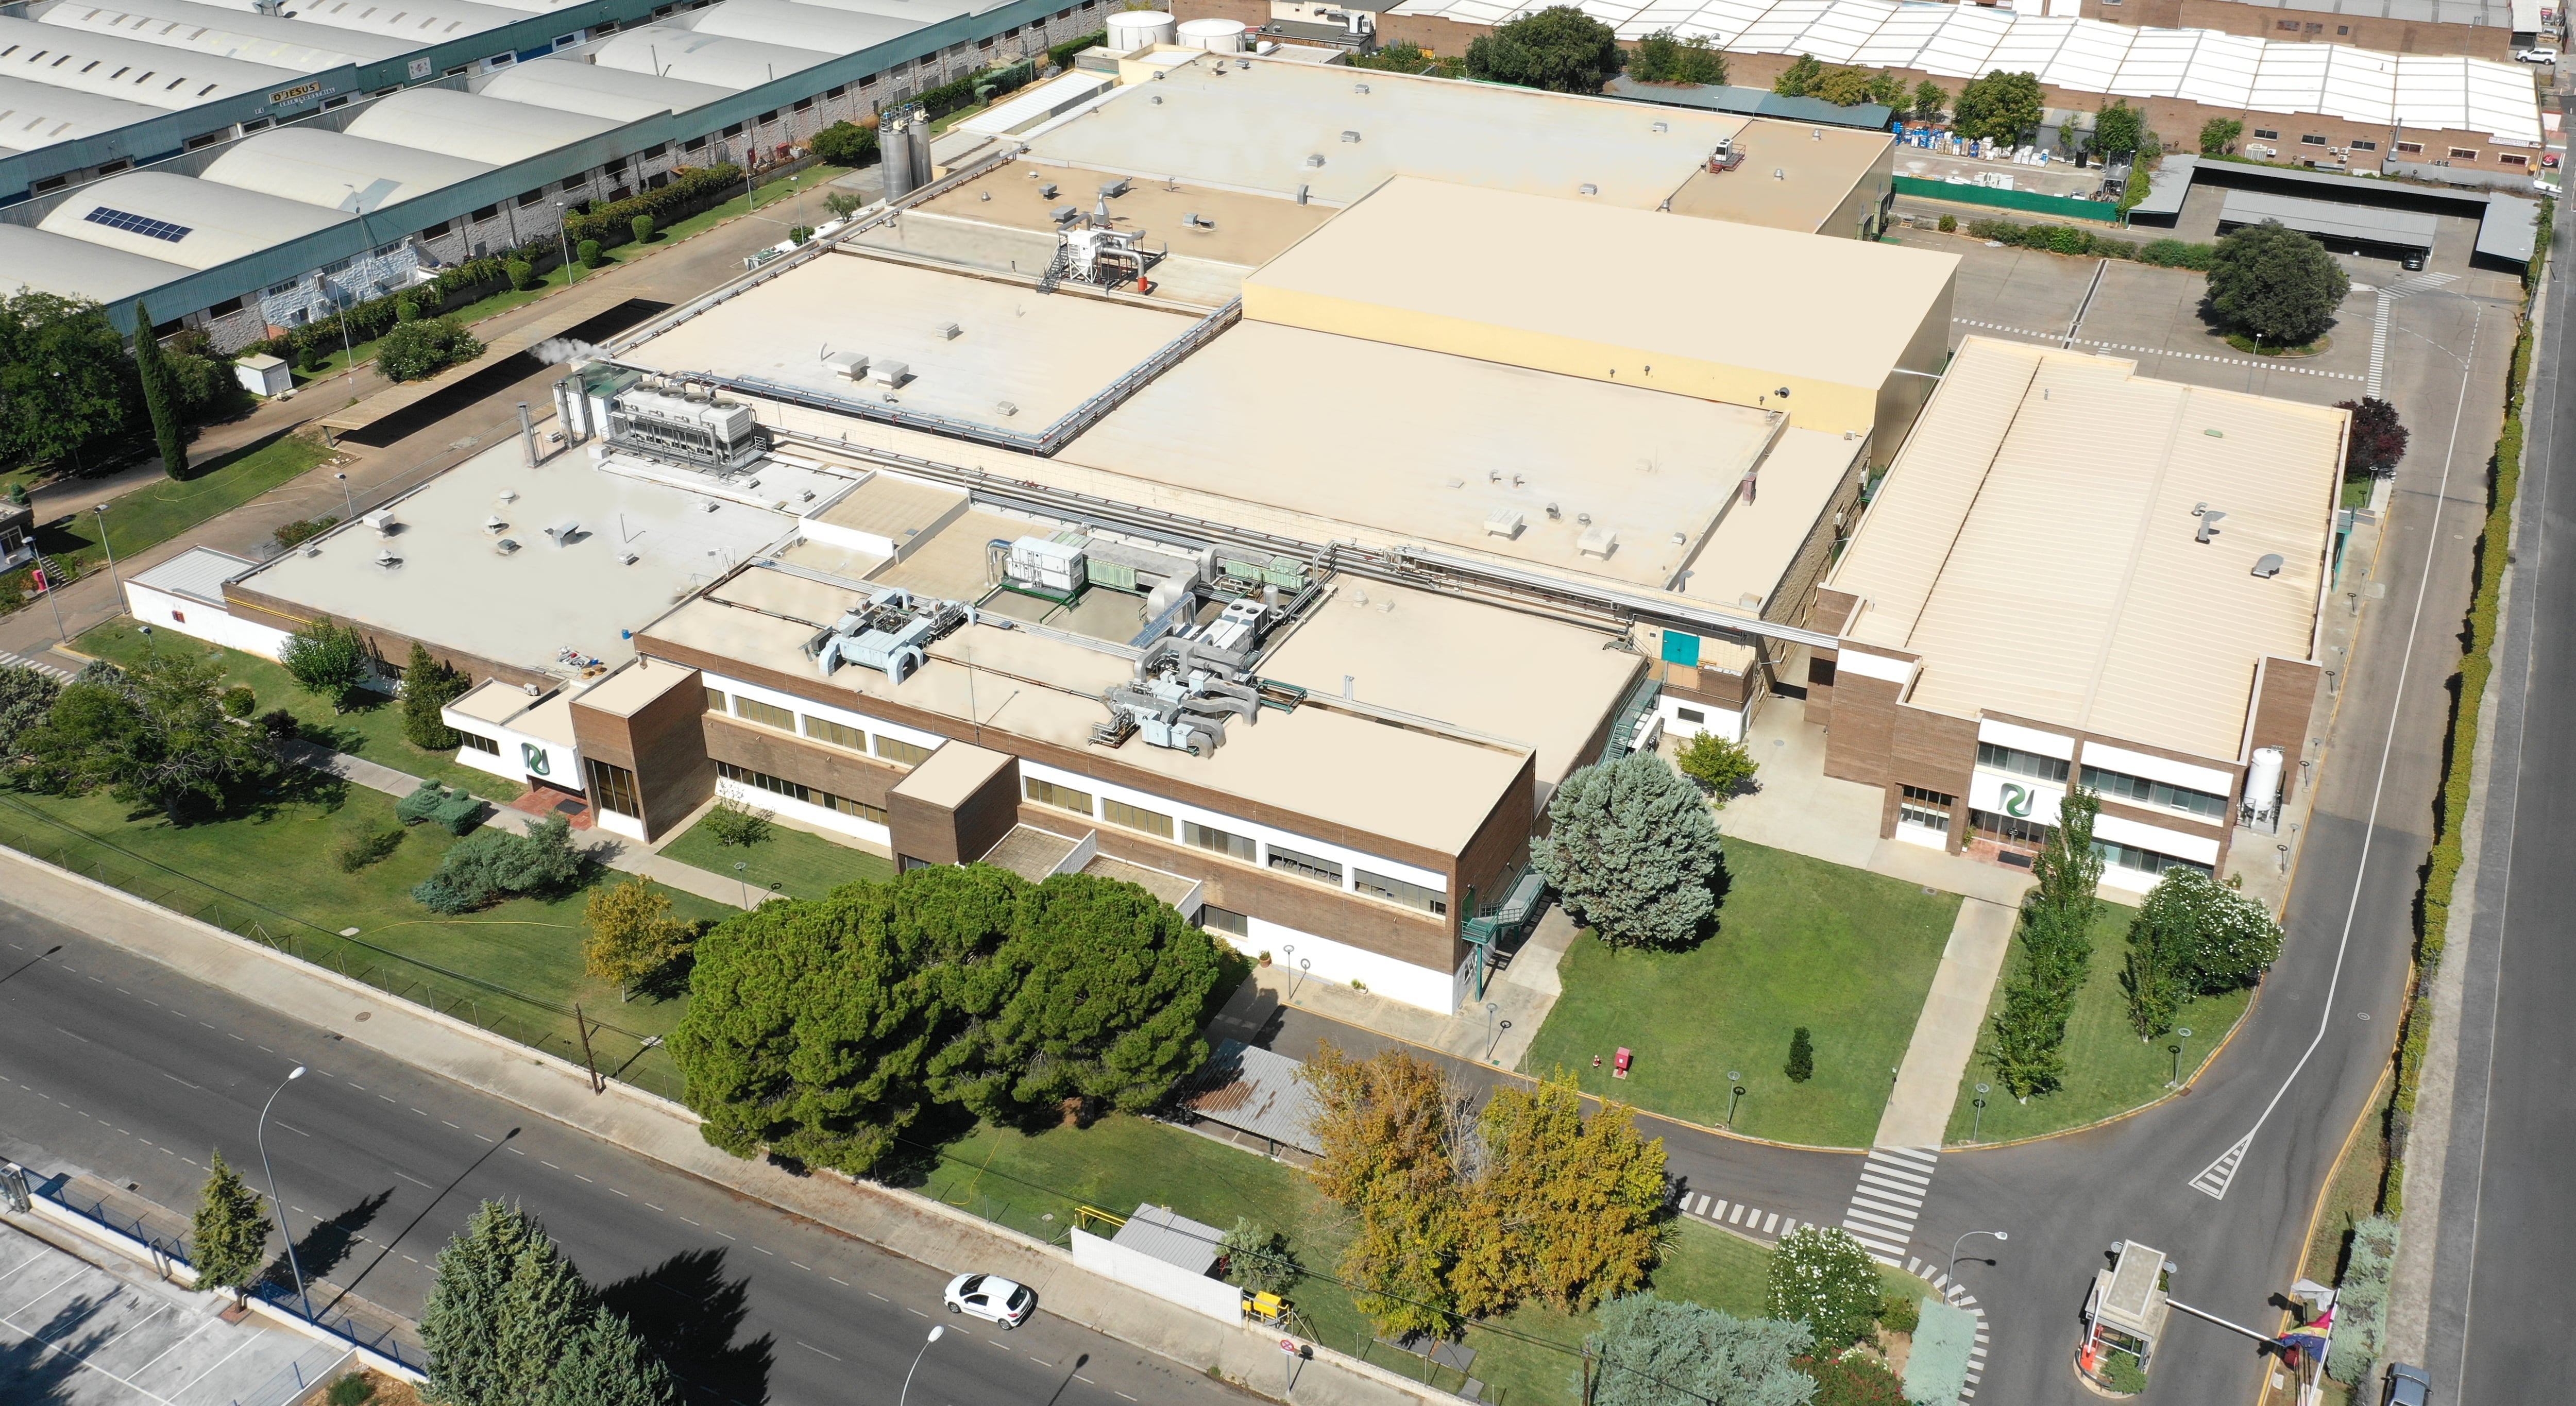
<point>2537,56</point>
<point>991,1297</point>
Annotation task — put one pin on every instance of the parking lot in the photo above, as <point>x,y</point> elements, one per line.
<point>77,1333</point>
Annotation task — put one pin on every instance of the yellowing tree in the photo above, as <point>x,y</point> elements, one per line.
<point>1387,1127</point>
<point>1562,1210</point>
<point>632,933</point>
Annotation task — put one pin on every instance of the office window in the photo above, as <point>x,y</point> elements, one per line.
<point>481,744</point>
<point>2410,148</point>
<point>2312,141</point>
<point>612,788</point>
<point>1206,837</point>
<point>2008,829</point>
<point>2122,786</point>
<point>2365,146</point>
<point>1048,793</point>
<point>1929,809</point>
<point>768,117</point>
<point>1692,716</point>
<point>716,701</point>
<point>1224,920</point>
<point>1394,890</point>
<point>2143,861</point>
<point>656,151</point>
<point>838,734</point>
<point>1305,865</point>
<point>2020,763</point>
<point>1136,817</point>
<point>487,212</point>
<point>766,714</point>
<point>2266,135</point>
<point>734,131</point>
<point>533,197</point>
<point>2342,29</point>
<point>901,752</point>
<point>2290,25</point>
<point>2461,153</point>
<point>2510,158</point>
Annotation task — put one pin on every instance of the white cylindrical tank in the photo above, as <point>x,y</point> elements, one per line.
<point>2263,779</point>
<point>1214,35</point>
<point>1130,30</point>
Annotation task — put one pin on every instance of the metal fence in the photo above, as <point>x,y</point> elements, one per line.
<point>2063,207</point>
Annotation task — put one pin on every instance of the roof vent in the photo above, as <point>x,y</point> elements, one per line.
<point>1663,126</point>
<point>947,331</point>
<point>1504,523</point>
<point>1815,134</point>
<point>626,558</point>
<point>1005,408</point>
<point>563,533</point>
<point>1779,174</point>
<point>2209,517</point>
<point>1155,98</point>
<point>1047,191</point>
<point>495,526</point>
<point>706,505</point>
<point>1360,88</point>
<point>2269,566</point>
<point>505,546</point>
<point>1314,161</point>
<point>1587,188</point>
<point>1351,137</point>
<point>1598,542</point>
<point>313,549</point>
<point>509,495</point>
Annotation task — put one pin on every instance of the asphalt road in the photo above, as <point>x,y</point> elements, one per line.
<point>132,1072</point>
<point>2499,1291</point>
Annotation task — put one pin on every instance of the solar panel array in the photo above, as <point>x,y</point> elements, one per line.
<point>143,225</point>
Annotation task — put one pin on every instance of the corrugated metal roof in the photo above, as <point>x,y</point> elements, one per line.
<point>2035,545</point>
<point>2407,228</point>
<point>198,573</point>
<point>1171,1237</point>
<point>1255,1091</point>
<point>1753,102</point>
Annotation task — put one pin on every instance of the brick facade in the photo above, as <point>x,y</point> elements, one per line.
<point>2387,36</point>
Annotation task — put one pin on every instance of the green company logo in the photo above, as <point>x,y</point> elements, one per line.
<point>535,757</point>
<point>2016,799</point>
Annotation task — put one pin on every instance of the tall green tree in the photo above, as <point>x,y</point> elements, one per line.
<point>2155,977</point>
<point>1632,852</point>
<point>1258,1260</point>
<point>606,1364</point>
<point>1560,48</point>
<point>462,1322</point>
<point>161,396</point>
<point>545,1305</point>
<point>1663,57</point>
<point>428,684</point>
<point>2193,936</point>
<point>2029,1031</point>
<point>1110,987</point>
<point>65,380</point>
<point>2218,136</point>
<point>2276,284</point>
<point>1820,1276</point>
<point>511,1322</point>
<point>2118,130</point>
<point>1651,1351</point>
<point>2004,106</point>
<point>1799,79</point>
<point>155,734</point>
<point>329,660</point>
<point>26,696</point>
<point>1930,101</point>
<point>228,1237</point>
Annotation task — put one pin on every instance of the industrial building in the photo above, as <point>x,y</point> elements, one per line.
<point>2484,29</point>
<point>2077,576</point>
<point>2340,103</point>
<point>2351,214</point>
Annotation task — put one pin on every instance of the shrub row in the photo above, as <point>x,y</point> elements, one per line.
<point>2442,872</point>
<point>471,279</point>
<point>690,190</point>
<point>1062,54</point>
<point>2074,239</point>
<point>960,92</point>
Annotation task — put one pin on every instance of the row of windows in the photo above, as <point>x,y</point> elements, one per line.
<point>612,788</point>
<point>891,749</point>
<point>799,791</point>
<point>2030,834</point>
<point>2154,793</point>
<point>479,743</point>
<point>1997,757</point>
<point>1929,809</point>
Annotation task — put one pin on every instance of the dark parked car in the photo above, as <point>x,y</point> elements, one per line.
<point>2407,1386</point>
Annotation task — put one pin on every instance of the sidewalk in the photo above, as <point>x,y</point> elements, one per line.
<point>908,1224</point>
<point>1945,1034</point>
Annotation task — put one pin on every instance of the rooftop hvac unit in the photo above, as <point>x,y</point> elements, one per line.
<point>946,331</point>
<point>892,633</point>
<point>1064,214</point>
<point>847,365</point>
<point>1111,190</point>
<point>382,520</point>
<point>707,433</point>
<point>1047,191</point>
<point>1005,409</point>
<point>1597,542</point>
<point>888,373</point>
<point>1047,565</point>
<point>562,533</point>
<point>1504,523</point>
<point>1351,137</point>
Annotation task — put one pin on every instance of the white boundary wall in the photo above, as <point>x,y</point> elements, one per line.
<point>1197,1292</point>
<point>211,623</point>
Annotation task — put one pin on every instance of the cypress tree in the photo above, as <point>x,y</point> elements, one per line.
<point>160,395</point>
<point>463,1319</point>
<point>1802,1057</point>
<point>605,1364</point>
<point>230,1233</point>
<point>545,1306</point>
<point>429,685</point>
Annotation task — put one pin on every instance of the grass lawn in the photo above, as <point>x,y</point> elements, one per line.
<point>1846,953</point>
<point>372,730</point>
<point>2109,1070</point>
<point>163,509</point>
<point>1528,1357</point>
<point>273,869</point>
<point>803,865</point>
<point>2352,1195</point>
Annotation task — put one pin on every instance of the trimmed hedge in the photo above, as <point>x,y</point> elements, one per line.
<point>690,190</point>
<point>960,92</point>
<point>2477,665</point>
<point>1062,54</point>
<point>2076,240</point>
<point>453,811</point>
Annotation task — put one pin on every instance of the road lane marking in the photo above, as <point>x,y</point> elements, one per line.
<point>805,1267</point>
<point>771,1253</point>
<point>413,1179</point>
<point>613,1191</point>
<point>809,1347</point>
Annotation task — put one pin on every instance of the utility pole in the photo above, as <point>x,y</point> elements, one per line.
<point>582,1023</point>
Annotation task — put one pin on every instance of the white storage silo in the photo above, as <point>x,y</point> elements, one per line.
<point>1130,30</point>
<point>1214,35</point>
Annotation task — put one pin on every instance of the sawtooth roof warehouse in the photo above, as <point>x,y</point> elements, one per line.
<point>1293,589</point>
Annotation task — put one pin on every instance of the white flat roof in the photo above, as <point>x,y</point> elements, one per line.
<point>473,126</point>
<point>2034,544</point>
<point>182,220</point>
<point>334,170</point>
<point>569,85</point>
<point>1044,354</point>
<point>121,66</point>
<point>454,589</point>
<point>77,268</point>
<point>269,39</point>
<point>717,59</point>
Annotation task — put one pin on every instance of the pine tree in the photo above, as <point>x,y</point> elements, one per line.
<point>230,1233</point>
<point>545,1307</point>
<point>160,395</point>
<point>1632,852</point>
<point>605,1364</point>
<point>1802,1057</point>
<point>463,1319</point>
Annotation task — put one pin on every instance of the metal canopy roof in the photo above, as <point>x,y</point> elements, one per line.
<point>2405,228</point>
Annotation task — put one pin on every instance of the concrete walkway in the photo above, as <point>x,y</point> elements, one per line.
<point>1522,993</point>
<point>911,1225</point>
<point>1945,1034</point>
<point>614,851</point>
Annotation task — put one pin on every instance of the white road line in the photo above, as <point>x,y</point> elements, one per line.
<point>809,1347</point>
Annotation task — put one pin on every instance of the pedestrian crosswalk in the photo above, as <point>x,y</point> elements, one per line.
<point>2379,342</point>
<point>1959,1296</point>
<point>42,666</point>
<point>1883,1209</point>
<point>1737,1216</point>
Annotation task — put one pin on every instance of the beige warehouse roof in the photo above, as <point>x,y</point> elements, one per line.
<point>2034,544</point>
<point>569,85</point>
<point>1490,273</point>
<point>473,126</point>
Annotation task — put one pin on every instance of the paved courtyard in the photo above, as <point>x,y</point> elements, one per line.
<point>78,1333</point>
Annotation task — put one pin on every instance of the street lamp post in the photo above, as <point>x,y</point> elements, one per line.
<point>110,550</point>
<point>291,1076</point>
<point>1490,1034</point>
<point>1977,1121</point>
<point>347,502</point>
<point>1732,1076</point>
<point>2175,1049</point>
<point>1962,1240</point>
<point>916,1363</point>
<point>563,231</point>
<point>738,866</point>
